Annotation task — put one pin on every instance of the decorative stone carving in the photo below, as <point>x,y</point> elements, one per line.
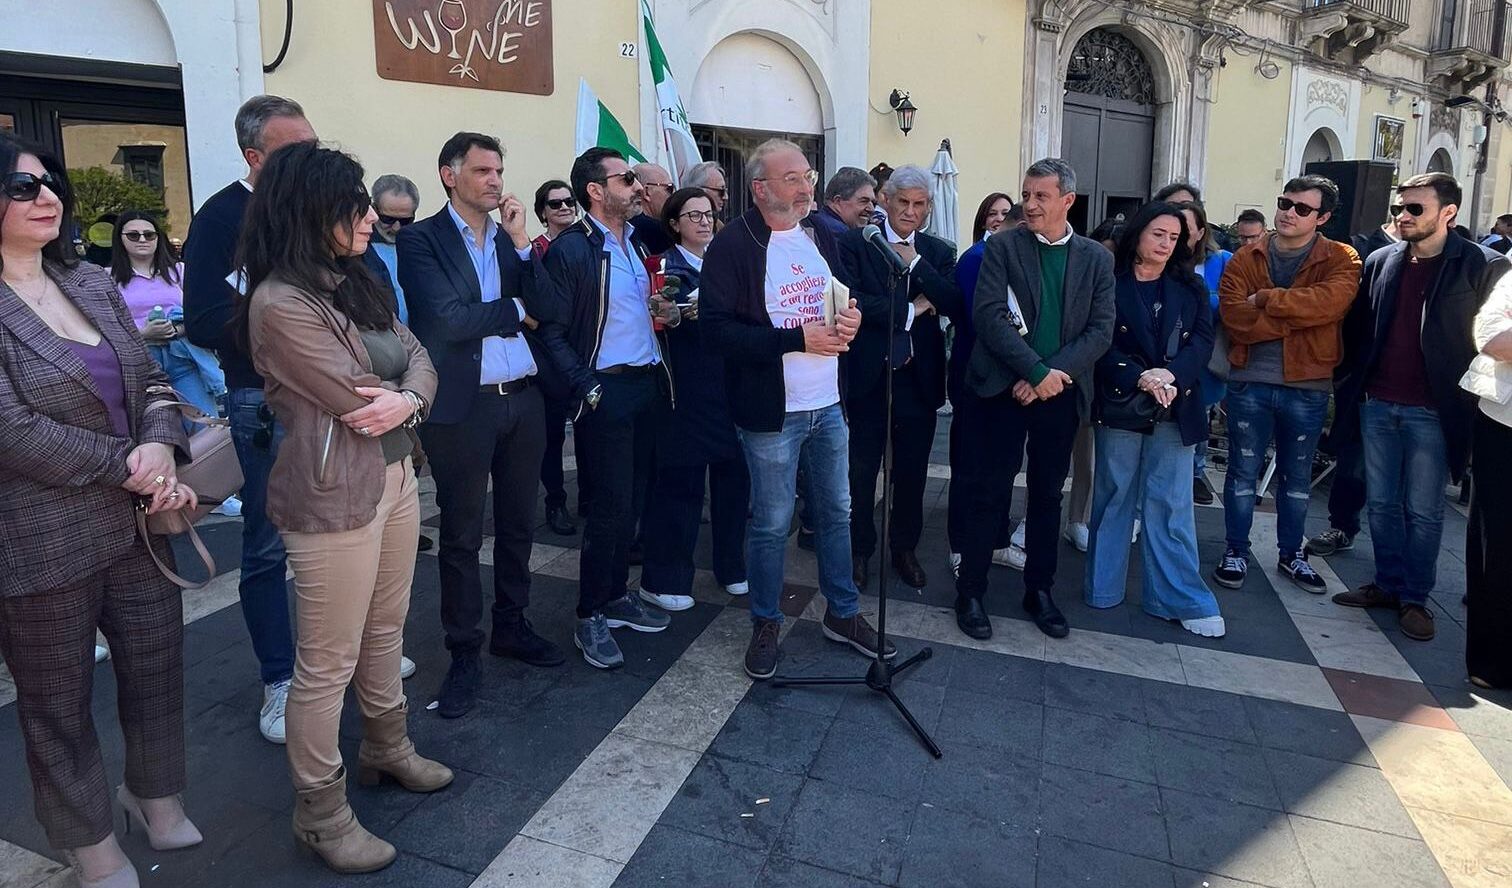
<point>1443,120</point>
<point>1331,93</point>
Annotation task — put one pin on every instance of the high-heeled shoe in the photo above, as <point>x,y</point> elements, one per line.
<point>182,835</point>
<point>125,877</point>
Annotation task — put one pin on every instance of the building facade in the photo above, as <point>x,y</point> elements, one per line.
<point>1235,96</point>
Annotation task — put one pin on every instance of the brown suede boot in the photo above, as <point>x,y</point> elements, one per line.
<point>325,825</point>
<point>386,749</point>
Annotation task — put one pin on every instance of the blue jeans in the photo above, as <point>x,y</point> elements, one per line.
<point>193,372</point>
<point>1147,474</point>
<point>1406,468</point>
<point>819,440</point>
<point>264,594</point>
<point>1256,410</point>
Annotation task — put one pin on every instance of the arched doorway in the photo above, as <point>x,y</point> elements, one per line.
<point>1441,162</point>
<point>1323,145</point>
<point>1108,126</point>
<point>750,89</point>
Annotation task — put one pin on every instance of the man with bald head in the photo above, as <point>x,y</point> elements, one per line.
<point>649,228</point>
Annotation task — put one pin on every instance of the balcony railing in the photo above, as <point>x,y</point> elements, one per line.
<point>1477,26</point>
<point>1398,11</point>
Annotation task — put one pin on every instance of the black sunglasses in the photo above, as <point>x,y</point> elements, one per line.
<point>556,203</point>
<point>628,177</point>
<point>1412,209</point>
<point>139,236</point>
<point>27,186</point>
<point>1303,210</point>
<point>401,221</point>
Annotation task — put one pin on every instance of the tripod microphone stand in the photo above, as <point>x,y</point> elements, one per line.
<point>879,676</point>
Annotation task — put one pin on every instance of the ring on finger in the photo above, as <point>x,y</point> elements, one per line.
<point>159,480</point>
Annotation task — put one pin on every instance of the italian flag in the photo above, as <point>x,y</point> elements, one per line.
<point>679,147</point>
<point>597,128</point>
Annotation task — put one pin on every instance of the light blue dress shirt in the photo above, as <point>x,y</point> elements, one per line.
<point>628,335</point>
<point>505,359</point>
<point>390,256</point>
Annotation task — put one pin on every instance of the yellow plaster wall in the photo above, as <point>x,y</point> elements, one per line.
<point>1246,139</point>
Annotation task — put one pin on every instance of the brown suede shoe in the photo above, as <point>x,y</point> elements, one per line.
<point>1368,595</point>
<point>1416,622</point>
<point>856,632</point>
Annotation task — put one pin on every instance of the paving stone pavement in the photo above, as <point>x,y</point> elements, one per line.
<point>1314,746</point>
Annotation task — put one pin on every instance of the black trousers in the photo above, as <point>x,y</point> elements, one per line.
<point>958,511</point>
<point>501,439</point>
<point>552,477</point>
<point>1346,498</point>
<point>614,449</point>
<point>674,511</point>
<point>913,429</point>
<point>998,431</point>
<point>1488,557</point>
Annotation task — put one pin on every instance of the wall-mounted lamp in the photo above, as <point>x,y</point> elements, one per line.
<point>904,106</point>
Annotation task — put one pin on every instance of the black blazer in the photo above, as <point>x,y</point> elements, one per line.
<point>449,316</point>
<point>1465,279</point>
<point>700,429</point>
<point>1137,347</point>
<point>865,271</point>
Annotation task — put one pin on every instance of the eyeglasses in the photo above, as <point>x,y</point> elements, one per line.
<point>712,190</point>
<point>666,185</point>
<point>137,237</point>
<point>809,176</point>
<point>628,177</point>
<point>697,216</point>
<point>556,203</point>
<point>400,221</point>
<point>1303,210</point>
<point>27,186</point>
<point>1412,209</point>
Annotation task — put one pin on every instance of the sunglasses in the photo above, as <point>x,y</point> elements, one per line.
<point>556,203</point>
<point>628,177</point>
<point>1303,210</point>
<point>1412,209</point>
<point>400,221</point>
<point>137,237</point>
<point>697,216</point>
<point>27,186</point>
<point>665,185</point>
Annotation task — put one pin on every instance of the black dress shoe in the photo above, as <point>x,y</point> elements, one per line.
<point>906,563</point>
<point>459,690</point>
<point>972,618</point>
<point>1046,615</point>
<point>425,544</point>
<point>560,521</point>
<point>521,642</point>
<point>859,571</point>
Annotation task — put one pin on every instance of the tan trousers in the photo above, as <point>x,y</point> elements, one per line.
<point>352,592</point>
<point>1079,510</point>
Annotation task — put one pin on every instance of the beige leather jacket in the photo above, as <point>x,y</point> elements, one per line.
<point>327,478</point>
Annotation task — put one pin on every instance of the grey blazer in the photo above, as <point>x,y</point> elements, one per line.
<point>1002,355</point>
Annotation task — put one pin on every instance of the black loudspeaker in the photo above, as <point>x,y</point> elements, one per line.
<point>1365,189</point>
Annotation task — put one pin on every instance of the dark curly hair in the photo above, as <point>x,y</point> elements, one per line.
<point>59,249</point>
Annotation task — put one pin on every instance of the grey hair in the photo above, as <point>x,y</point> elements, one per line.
<point>699,174</point>
<point>908,177</point>
<point>756,165</point>
<point>395,184</point>
<point>846,181</point>
<point>253,116</point>
<point>1064,175</point>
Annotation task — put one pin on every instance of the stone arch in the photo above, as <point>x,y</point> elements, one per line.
<point>1322,145</point>
<point>1440,144</point>
<point>763,109</point>
<point>1441,161</point>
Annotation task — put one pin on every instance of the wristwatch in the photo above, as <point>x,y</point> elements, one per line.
<point>593,396</point>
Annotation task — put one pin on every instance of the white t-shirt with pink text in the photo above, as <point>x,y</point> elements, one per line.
<point>796,280</point>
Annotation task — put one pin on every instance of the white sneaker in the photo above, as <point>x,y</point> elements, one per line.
<point>1136,533</point>
<point>406,667</point>
<point>1207,627</point>
<point>1078,535</point>
<point>740,588</point>
<point>955,564</point>
<point>1013,556</point>
<point>271,721</point>
<point>102,653</point>
<point>1017,540</point>
<point>231,507</point>
<point>666,602</point>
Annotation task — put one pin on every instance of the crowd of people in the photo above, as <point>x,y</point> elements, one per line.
<point>764,361</point>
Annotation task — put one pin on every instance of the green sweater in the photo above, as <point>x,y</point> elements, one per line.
<point>1045,338</point>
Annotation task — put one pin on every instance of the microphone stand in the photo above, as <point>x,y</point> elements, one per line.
<point>879,676</point>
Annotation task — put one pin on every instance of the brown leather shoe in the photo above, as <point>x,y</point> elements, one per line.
<point>1368,595</point>
<point>1416,622</point>
<point>856,632</point>
<point>906,563</point>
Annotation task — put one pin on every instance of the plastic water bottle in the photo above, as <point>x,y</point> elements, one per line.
<point>157,314</point>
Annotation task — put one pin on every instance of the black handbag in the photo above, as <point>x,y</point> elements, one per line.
<point>1134,410</point>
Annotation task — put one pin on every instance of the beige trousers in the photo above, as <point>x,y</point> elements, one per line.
<point>1079,509</point>
<point>352,592</point>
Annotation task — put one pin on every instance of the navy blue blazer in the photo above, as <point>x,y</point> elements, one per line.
<point>450,318</point>
<point>1137,346</point>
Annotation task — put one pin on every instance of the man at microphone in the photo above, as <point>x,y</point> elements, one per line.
<point>914,272</point>
<point>1044,313</point>
<point>771,307</point>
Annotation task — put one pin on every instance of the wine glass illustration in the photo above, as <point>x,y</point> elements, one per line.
<point>453,16</point>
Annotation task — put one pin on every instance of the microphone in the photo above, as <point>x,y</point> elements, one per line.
<point>873,234</point>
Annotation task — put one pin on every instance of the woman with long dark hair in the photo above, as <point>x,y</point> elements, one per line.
<point>991,215</point>
<point>84,441</point>
<point>1148,414</point>
<point>348,382</point>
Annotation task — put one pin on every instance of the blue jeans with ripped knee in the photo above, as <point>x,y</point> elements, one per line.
<point>1256,411</point>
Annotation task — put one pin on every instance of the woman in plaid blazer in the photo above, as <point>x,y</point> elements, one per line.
<point>82,443</point>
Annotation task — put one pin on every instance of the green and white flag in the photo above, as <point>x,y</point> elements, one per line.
<point>597,128</point>
<point>679,148</point>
